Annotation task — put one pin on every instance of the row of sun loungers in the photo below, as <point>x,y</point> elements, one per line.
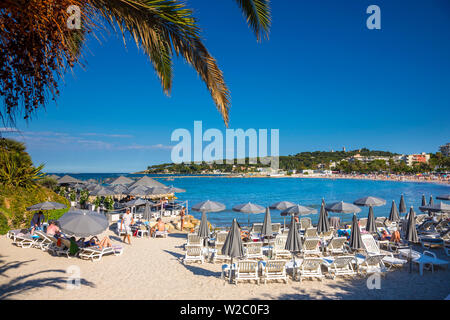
<point>50,244</point>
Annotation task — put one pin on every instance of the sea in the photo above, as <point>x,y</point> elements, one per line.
<point>266,191</point>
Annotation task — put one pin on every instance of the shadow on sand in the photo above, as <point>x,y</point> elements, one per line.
<point>196,270</point>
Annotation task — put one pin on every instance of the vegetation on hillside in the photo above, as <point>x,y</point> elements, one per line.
<point>20,187</point>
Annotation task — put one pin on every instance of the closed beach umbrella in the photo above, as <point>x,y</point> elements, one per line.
<point>355,237</point>
<point>323,225</point>
<point>424,201</point>
<point>249,208</point>
<point>402,205</point>
<point>48,205</point>
<point>203,230</point>
<point>370,202</point>
<point>371,226</point>
<point>444,197</point>
<point>147,213</point>
<point>83,223</point>
<point>431,201</point>
<point>411,231</point>
<point>266,230</point>
<point>393,215</point>
<point>293,241</point>
<point>233,246</point>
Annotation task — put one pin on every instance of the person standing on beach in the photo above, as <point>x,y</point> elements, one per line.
<point>182,214</point>
<point>127,221</point>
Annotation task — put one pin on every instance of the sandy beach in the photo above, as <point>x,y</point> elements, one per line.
<point>153,269</point>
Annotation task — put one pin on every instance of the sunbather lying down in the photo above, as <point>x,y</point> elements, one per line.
<point>104,243</point>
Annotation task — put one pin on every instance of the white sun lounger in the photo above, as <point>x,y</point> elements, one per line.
<point>274,270</point>
<point>96,254</point>
<point>311,246</point>
<point>373,264</point>
<point>337,246</point>
<point>311,268</point>
<point>279,247</point>
<point>340,266</point>
<point>24,240</point>
<point>246,270</point>
<point>194,253</point>
<point>253,250</point>
<point>428,258</point>
<point>371,247</point>
<point>44,241</point>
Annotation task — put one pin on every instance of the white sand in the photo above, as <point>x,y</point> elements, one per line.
<point>152,269</point>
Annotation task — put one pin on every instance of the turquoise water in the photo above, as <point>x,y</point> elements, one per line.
<point>308,192</point>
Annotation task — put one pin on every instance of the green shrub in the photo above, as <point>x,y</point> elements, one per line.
<point>3,224</point>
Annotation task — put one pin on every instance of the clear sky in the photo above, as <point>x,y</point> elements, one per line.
<point>323,79</point>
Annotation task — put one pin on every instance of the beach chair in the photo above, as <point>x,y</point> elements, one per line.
<point>327,235</point>
<point>311,233</point>
<point>337,246</point>
<point>340,266</point>
<point>311,246</point>
<point>274,270</point>
<point>373,264</point>
<point>194,253</point>
<point>142,231</point>
<point>426,226</point>
<point>279,247</point>
<point>276,227</point>
<point>431,242</point>
<point>363,222</point>
<point>429,259</point>
<point>246,270</point>
<point>24,240</point>
<point>11,234</point>
<point>253,250</point>
<point>220,238</point>
<point>119,231</point>
<point>372,248</point>
<point>311,268</point>
<point>305,223</point>
<point>44,241</point>
<point>256,229</point>
<point>95,253</point>
<point>194,240</point>
<point>57,250</point>
<point>217,254</point>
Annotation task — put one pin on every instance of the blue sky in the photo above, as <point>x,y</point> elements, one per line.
<point>323,79</point>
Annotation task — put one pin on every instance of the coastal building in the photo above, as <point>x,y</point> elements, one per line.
<point>358,157</point>
<point>445,150</point>
<point>411,159</point>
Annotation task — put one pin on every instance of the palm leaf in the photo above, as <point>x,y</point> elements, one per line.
<point>258,15</point>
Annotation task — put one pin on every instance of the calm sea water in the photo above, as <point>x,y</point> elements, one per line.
<point>308,192</point>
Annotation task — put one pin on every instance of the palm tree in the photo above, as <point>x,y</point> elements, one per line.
<point>38,48</point>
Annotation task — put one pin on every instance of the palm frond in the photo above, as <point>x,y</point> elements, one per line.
<point>164,28</point>
<point>258,15</point>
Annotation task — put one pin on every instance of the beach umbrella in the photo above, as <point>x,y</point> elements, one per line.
<point>203,230</point>
<point>148,182</point>
<point>355,241</point>
<point>402,205</point>
<point>371,226</point>
<point>444,197</point>
<point>122,181</point>
<point>266,230</point>
<point>208,206</point>
<point>298,210</point>
<point>249,208</point>
<point>342,207</point>
<point>282,205</point>
<point>438,207</point>
<point>411,231</point>
<point>135,203</point>
<point>293,241</point>
<point>138,191</point>
<point>102,192</point>
<point>393,215</point>
<point>54,176</point>
<point>147,213</point>
<point>175,190</point>
<point>120,189</point>
<point>424,201</point>
<point>370,202</point>
<point>68,179</point>
<point>48,205</point>
<point>233,246</point>
<point>82,223</point>
<point>431,201</point>
<point>323,225</point>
